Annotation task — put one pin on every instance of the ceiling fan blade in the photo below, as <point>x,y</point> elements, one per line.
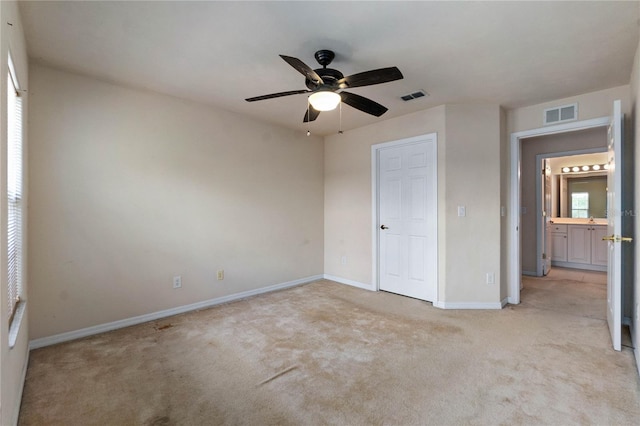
<point>368,78</point>
<point>276,95</point>
<point>363,104</point>
<point>303,68</point>
<point>311,114</point>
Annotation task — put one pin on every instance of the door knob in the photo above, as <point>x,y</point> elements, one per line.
<point>384,227</point>
<point>617,239</point>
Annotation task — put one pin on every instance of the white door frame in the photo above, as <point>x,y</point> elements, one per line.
<point>375,221</point>
<point>513,233</point>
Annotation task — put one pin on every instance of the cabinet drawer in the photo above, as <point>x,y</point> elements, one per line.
<point>559,228</point>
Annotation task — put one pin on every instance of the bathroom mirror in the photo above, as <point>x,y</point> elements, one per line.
<point>583,196</point>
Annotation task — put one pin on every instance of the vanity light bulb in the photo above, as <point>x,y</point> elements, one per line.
<point>566,170</point>
<point>585,168</point>
<point>576,169</point>
<point>606,167</point>
<point>596,167</point>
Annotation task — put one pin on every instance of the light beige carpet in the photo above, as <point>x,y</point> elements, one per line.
<point>326,353</point>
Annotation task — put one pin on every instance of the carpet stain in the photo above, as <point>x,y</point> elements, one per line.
<point>159,421</point>
<point>442,328</point>
<point>163,327</point>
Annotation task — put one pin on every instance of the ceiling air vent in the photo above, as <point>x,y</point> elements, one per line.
<point>560,114</point>
<point>414,95</point>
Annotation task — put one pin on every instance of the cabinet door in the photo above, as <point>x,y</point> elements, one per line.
<point>559,246</point>
<point>579,249</point>
<point>599,248</point>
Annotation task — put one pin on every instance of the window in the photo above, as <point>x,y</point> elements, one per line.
<point>579,204</point>
<point>14,197</point>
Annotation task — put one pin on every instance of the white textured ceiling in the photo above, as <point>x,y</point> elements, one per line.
<point>219,53</point>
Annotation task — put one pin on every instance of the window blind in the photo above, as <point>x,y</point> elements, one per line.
<point>14,194</point>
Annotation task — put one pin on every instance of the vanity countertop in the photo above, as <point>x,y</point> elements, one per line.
<point>577,221</point>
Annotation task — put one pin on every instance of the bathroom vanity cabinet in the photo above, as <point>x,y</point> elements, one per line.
<point>579,246</point>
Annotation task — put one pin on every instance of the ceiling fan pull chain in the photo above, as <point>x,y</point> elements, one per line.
<point>308,130</point>
<point>340,125</point>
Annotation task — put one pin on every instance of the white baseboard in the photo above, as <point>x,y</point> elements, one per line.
<point>349,282</point>
<point>97,329</point>
<point>470,305</point>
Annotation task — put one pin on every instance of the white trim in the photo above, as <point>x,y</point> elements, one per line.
<point>514,261</point>
<point>471,305</point>
<point>101,328</point>
<point>375,150</point>
<point>14,328</point>
<point>16,409</point>
<point>13,73</point>
<point>349,282</point>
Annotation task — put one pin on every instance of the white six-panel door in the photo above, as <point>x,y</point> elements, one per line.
<point>407,218</point>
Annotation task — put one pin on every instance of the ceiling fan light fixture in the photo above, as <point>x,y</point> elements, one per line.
<point>324,100</point>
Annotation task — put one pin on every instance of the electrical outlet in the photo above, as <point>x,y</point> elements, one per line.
<point>220,274</point>
<point>343,260</point>
<point>462,211</point>
<point>177,281</point>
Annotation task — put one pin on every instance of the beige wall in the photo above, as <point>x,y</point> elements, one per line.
<point>130,188</point>
<point>529,172</point>
<point>468,174</point>
<point>472,162</point>
<point>590,105</point>
<point>13,361</point>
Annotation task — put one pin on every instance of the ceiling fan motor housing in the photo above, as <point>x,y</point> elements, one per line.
<point>328,75</point>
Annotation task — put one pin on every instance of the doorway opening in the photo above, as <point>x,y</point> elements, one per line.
<point>519,212</point>
<point>563,221</point>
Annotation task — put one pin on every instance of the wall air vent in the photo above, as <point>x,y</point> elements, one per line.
<point>414,95</point>
<point>560,114</point>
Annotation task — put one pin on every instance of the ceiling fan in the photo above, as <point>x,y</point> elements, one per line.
<point>327,85</point>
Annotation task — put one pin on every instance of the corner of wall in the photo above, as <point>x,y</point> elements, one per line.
<point>504,197</point>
